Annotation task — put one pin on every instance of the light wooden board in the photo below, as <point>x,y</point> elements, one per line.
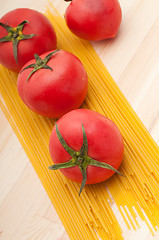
<point>132,58</point>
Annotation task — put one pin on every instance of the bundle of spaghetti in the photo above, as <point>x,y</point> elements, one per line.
<point>91,215</point>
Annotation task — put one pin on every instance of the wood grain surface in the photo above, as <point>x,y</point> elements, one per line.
<point>132,58</point>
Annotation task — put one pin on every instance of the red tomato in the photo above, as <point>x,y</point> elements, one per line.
<point>57,88</point>
<point>94,20</point>
<point>40,37</point>
<point>104,144</point>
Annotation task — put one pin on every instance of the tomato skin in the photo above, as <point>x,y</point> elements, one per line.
<point>45,39</point>
<point>105,144</point>
<point>94,20</point>
<point>54,93</point>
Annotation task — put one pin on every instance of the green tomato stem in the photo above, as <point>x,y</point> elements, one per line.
<point>15,35</point>
<point>84,174</point>
<point>40,63</point>
<point>63,142</point>
<point>103,165</point>
<point>62,165</point>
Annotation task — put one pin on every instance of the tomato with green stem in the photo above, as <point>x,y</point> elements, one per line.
<point>53,84</point>
<point>86,146</point>
<point>23,33</point>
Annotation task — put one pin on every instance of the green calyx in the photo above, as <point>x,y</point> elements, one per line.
<point>40,63</point>
<point>15,35</point>
<point>79,158</point>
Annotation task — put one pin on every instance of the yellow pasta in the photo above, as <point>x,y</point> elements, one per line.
<point>91,215</point>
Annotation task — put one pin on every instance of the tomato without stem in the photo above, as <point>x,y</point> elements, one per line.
<point>94,20</point>
<point>86,146</point>
<point>53,84</point>
<point>24,32</point>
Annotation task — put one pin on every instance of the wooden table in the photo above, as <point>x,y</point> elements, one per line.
<point>132,58</point>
